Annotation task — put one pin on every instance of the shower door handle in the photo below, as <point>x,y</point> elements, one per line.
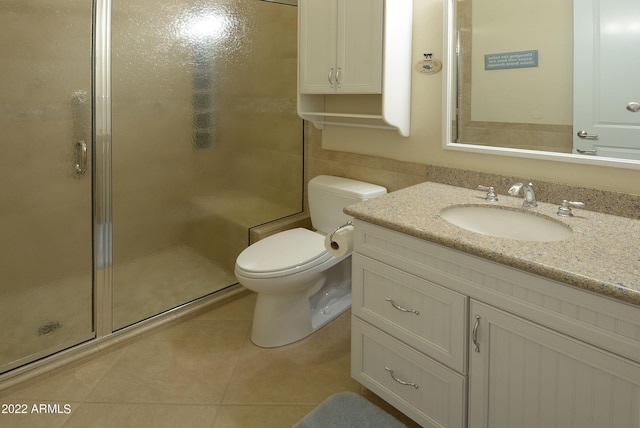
<point>81,158</point>
<point>80,111</point>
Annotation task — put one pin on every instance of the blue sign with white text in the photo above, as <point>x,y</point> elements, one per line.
<point>507,60</point>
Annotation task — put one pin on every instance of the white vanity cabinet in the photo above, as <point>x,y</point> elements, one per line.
<point>340,46</point>
<point>489,346</point>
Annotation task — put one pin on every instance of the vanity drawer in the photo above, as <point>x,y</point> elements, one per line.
<point>424,315</point>
<point>428,392</point>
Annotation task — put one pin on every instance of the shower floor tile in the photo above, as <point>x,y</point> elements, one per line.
<point>143,287</point>
<point>202,372</point>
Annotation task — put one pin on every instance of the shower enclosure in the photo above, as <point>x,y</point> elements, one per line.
<point>140,141</point>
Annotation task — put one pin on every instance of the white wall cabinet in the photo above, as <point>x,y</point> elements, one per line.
<point>341,46</point>
<point>354,63</point>
<point>491,345</point>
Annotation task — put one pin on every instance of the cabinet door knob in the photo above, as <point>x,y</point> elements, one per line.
<point>338,73</point>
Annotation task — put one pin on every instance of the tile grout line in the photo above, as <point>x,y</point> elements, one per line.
<point>242,349</point>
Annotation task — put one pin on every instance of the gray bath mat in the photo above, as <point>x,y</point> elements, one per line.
<point>348,410</point>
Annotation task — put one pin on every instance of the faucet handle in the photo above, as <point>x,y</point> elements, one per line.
<point>565,209</point>
<point>491,193</point>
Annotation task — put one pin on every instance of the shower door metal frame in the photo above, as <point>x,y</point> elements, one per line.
<point>101,116</point>
<point>102,217</point>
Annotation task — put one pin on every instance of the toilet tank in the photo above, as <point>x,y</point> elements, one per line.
<point>328,195</point>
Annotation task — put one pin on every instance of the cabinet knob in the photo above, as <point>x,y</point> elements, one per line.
<point>331,78</point>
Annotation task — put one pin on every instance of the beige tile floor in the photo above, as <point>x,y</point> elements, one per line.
<point>144,287</point>
<point>202,372</point>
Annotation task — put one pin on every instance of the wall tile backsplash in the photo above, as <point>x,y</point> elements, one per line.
<point>395,175</point>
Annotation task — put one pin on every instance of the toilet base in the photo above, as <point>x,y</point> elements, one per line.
<point>262,333</point>
<point>280,319</point>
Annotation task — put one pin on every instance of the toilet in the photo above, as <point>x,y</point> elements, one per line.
<point>300,286</point>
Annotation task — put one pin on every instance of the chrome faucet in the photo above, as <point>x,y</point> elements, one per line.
<point>529,195</point>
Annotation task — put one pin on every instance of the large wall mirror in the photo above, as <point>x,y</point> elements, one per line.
<point>546,79</point>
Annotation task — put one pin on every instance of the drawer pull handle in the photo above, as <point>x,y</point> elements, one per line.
<point>400,308</point>
<point>475,334</point>
<point>400,381</point>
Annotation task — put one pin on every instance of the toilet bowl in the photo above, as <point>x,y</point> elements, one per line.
<point>300,286</point>
<point>285,283</point>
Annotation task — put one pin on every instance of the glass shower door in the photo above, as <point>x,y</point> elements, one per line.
<point>46,295</point>
<point>206,144</point>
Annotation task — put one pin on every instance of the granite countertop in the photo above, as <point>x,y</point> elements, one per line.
<point>602,256</point>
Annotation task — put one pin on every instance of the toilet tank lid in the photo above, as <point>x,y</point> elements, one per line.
<point>347,187</point>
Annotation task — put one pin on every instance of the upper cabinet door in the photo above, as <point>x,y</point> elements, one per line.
<point>318,30</point>
<point>340,46</point>
<point>359,52</point>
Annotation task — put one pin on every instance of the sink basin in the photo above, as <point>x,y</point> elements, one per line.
<point>506,223</point>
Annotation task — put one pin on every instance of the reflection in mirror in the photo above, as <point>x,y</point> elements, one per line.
<point>525,80</point>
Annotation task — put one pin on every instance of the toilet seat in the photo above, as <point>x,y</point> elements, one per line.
<point>285,253</point>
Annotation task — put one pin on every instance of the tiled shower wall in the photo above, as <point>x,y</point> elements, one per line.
<point>248,137</point>
<point>201,135</point>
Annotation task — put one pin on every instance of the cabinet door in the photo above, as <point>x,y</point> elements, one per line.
<point>340,46</point>
<point>359,51</point>
<point>524,375</point>
<point>317,21</point>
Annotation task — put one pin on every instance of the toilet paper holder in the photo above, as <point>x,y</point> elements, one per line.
<point>349,223</point>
